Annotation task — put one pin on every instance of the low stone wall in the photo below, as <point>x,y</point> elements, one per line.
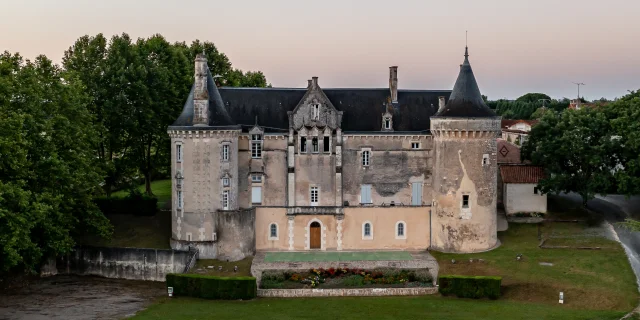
<point>125,263</point>
<point>364,292</point>
<point>533,220</point>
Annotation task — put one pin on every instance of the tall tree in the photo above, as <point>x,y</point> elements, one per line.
<point>533,97</point>
<point>48,171</point>
<point>625,115</point>
<point>575,149</point>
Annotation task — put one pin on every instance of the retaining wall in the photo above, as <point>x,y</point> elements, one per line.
<point>125,263</point>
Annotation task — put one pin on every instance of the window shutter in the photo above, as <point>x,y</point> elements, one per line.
<point>256,194</point>
<point>365,194</point>
<point>416,194</point>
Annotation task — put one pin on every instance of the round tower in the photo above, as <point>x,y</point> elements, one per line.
<point>464,213</point>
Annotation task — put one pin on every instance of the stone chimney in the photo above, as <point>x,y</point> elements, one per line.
<point>200,93</point>
<point>314,82</point>
<point>309,82</point>
<point>441,103</point>
<point>393,83</point>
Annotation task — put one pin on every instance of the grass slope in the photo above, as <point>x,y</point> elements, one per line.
<point>160,188</point>
<point>427,307</point>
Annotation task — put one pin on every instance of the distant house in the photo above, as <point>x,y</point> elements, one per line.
<point>520,192</point>
<point>516,131</point>
<point>577,104</point>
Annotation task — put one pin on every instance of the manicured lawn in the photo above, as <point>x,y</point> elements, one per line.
<point>590,279</point>
<point>336,256</point>
<point>426,307</point>
<point>244,267</point>
<point>161,189</point>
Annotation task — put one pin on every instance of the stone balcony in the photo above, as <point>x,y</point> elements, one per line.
<point>326,211</point>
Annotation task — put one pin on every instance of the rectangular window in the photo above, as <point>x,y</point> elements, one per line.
<point>303,145</point>
<point>256,178</point>
<point>365,194</point>
<point>178,152</point>
<point>225,182</point>
<point>225,200</point>
<point>314,145</point>
<point>225,152</point>
<point>365,157</point>
<point>465,201</point>
<point>314,196</point>
<point>256,194</point>
<point>387,123</point>
<point>179,199</point>
<point>416,194</point>
<point>256,146</point>
<point>316,111</point>
<point>415,145</point>
<point>327,144</point>
<point>485,159</point>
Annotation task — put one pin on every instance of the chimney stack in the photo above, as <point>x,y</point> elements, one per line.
<point>314,81</point>
<point>308,83</point>
<point>201,93</point>
<point>393,83</point>
<point>441,103</point>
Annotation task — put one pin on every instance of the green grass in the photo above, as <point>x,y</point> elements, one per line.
<point>244,268</point>
<point>426,307</point>
<point>160,188</point>
<point>590,279</point>
<point>136,232</point>
<point>336,256</point>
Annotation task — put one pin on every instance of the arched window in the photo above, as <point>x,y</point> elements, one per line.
<point>401,230</point>
<point>273,231</point>
<point>367,230</point>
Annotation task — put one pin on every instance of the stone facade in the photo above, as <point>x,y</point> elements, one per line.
<point>397,181</point>
<point>523,197</point>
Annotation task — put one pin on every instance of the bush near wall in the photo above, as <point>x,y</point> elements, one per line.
<point>475,287</point>
<point>140,206</point>
<point>209,287</point>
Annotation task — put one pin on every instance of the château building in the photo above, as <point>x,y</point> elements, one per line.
<point>333,169</point>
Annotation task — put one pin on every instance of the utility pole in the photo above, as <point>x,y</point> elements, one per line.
<point>579,84</point>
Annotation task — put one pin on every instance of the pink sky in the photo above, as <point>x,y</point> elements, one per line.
<point>515,46</point>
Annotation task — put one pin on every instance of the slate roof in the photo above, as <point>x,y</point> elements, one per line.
<point>362,108</point>
<point>466,100</point>
<point>521,174</point>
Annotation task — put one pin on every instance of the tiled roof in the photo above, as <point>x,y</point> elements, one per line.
<point>521,174</point>
<point>508,153</point>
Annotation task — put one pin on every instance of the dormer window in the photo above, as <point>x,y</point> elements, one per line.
<point>387,123</point>
<point>316,111</point>
<point>256,146</point>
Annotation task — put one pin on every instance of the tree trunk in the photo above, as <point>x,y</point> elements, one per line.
<point>147,184</point>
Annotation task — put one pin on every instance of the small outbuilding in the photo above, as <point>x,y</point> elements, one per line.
<point>520,191</point>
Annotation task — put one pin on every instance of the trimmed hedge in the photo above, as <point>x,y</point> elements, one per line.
<point>209,287</point>
<point>475,287</point>
<point>139,206</point>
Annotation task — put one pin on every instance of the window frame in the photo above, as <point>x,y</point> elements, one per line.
<point>326,144</point>
<point>313,189</point>
<point>316,111</point>
<point>256,146</point>
<point>366,236</point>
<point>303,145</point>
<point>271,229</point>
<point>179,152</point>
<point>362,188</point>
<point>225,200</point>
<point>365,158</point>
<point>465,198</point>
<point>180,198</point>
<point>226,182</point>
<point>402,236</point>
<point>415,145</point>
<point>387,123</point>
<point>226,152</point>
<point>256,178</point>
<point>315,145</point>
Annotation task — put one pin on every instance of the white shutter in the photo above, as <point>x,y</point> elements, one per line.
<point>365,193</point>
<point>416,193</point>
<point>256,194</point>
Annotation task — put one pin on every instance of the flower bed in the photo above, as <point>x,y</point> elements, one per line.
<point>346,278</point>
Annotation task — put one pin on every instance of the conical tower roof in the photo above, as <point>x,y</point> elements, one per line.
<point>466,100</point>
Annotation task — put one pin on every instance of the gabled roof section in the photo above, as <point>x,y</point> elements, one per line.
<point>521,174</point>
<point>466,100</point>
<point>218,115</point>
<point>325,115</point>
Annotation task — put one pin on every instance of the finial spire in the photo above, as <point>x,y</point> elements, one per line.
<point>466,46</point>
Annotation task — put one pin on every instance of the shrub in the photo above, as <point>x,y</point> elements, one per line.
<point>271,284</point>
<point>208,287</point>
<point>134,205</point>
<point>274,275</point>
<point>420,275</point>
<point>470,286</point>
<point>353,281</point>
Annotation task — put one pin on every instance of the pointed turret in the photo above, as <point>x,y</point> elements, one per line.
<point>465,99</point>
